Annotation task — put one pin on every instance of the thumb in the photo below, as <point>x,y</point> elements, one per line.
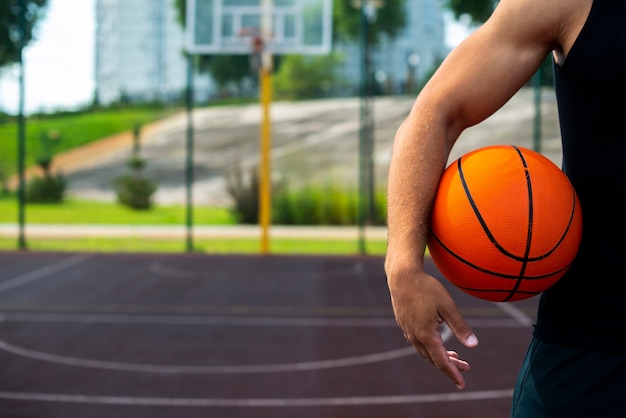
<point>460,328</point>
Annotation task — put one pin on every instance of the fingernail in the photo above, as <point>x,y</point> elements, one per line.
<point>471,340</point>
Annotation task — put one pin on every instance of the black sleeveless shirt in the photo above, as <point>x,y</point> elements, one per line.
<point>587,307</point>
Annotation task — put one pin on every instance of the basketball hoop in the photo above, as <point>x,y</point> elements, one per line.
<point>258,42</point>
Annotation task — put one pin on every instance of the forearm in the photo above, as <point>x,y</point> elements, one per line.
<point>419,156</point>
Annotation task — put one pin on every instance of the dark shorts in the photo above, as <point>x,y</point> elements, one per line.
<point>557,381</point>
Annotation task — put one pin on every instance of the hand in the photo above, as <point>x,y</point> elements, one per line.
<point>421,305</point>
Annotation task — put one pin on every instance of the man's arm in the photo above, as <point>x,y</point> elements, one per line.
<point>475,80</point>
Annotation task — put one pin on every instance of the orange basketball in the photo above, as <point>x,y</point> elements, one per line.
<point>506,223</point>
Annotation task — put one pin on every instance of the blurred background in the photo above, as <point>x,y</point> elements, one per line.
<point>113,139</point>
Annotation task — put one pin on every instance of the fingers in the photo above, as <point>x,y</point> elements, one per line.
<point>462,365</point>
<point>447,362</point>
<point>452,366</point>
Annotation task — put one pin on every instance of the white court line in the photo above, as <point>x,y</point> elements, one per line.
<point>197,320</point>
<point>231,402</point>
<point>195,369</point>
<point>218,369</point>
<point>345,273</point>
<point>43,272</point>
<point>515,313</point>
<point>261,402</point>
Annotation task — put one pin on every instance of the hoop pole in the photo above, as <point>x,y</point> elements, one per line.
<point>265,207</point>
<point>265,184</point>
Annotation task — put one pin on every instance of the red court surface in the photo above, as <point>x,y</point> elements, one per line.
<point>153,335</point>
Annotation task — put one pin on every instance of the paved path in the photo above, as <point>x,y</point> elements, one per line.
<point>312,142</point>
<point>199,231</point>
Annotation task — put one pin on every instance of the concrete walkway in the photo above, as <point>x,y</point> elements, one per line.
<point>180,231</point>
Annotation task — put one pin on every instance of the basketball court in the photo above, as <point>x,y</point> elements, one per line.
<point>152,335</point>
<point>173,335</point>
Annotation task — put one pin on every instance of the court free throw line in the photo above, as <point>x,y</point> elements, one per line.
<point>260,402</point>
<point>43,272</point>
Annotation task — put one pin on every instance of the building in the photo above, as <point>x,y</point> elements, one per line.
<point>139,51</point>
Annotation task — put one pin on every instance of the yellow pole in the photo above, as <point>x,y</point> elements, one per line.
<point>265,193</point>
<point>265,79</point>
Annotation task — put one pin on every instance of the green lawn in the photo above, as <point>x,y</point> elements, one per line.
<point>74,129</point>
<point>99,213</point>
<point>208,246</point>
<point>102,213</point>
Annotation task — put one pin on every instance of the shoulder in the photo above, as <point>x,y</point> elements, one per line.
<point>556,23</point>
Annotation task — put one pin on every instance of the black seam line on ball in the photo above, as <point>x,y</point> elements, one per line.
<point>529,235</point>
<point>526,258</point>
<point>494,273</point>
<point>481,220</point>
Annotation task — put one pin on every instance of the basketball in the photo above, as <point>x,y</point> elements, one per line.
<point>505,224</point>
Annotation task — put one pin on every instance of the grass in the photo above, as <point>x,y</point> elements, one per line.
<point>208,246</point>
<point>102,213</point>
<point>74,129</point>
<point>74,212</point>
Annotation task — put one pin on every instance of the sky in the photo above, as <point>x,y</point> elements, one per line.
<point>59,64</point>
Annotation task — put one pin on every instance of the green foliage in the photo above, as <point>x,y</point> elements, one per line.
<point>323,205</point>
<point>306,77</point>
<point>46,189</point>
<point>10,16</point>
<point>134,191</point>
<point>347,21</point>
<point>245,194</point>
<point>225,69</point>
<point>477,10</point>
<point>315,206</point>
<point>4,188</point>
<point>48,143</point>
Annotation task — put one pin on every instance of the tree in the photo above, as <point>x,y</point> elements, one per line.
<point>347,20</point>
<point>477,10</point>
<point>10,12</point>
<point>306,77</point>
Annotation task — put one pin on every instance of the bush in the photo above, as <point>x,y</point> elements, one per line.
<point>311,205</point>
<point>245,194</point>
<point>315,206</point>
<point>47,189</point>
<point>134,192</point>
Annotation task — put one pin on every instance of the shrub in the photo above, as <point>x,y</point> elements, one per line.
<point>134,192</point>
<point>315,206</point>
<point>245,194</point>
<point>46,189</point>
<point>311,205</point>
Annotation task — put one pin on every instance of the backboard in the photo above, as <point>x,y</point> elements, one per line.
<point>283,26</point>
